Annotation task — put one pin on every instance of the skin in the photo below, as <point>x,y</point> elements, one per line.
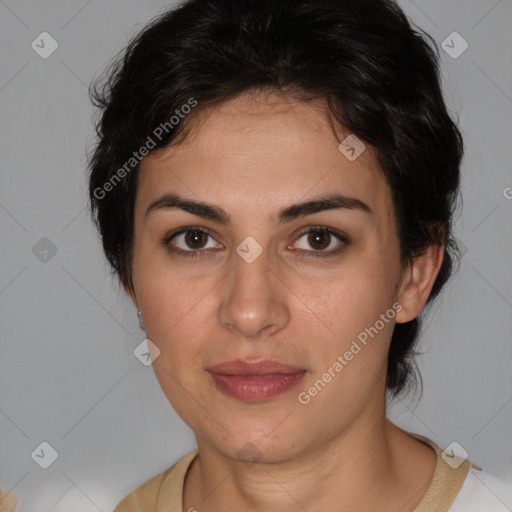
<point>253,156</point>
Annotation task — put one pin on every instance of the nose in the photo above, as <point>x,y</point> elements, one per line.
<point>254,299</point>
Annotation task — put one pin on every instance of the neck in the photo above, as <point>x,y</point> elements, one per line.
<point>373,465</point>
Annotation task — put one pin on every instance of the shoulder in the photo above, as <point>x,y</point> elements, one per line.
<point>458,485</point>
<point>145,497</point>
<point>482,491</point>
<point>8,501</point>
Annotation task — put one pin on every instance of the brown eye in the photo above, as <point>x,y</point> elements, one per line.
<point>195,238</point>
<point>320,239</point>
<point>190,242</point>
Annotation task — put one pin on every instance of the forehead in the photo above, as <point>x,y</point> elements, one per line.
<point>259,149</point>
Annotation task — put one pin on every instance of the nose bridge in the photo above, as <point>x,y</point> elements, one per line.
<point>254,300</point>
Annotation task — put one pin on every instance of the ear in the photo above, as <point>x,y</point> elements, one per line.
<point>417,282</point>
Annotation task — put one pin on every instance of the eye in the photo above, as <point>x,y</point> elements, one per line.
<point>193,242</point>
<point>321,238</point>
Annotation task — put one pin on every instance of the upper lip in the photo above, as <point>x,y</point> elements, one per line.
<point>239,367</point>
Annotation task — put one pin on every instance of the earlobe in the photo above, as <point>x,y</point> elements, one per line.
<point>417,282</point>
<point>131,292</point>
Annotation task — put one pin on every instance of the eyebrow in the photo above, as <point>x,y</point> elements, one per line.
<point>294,211</point>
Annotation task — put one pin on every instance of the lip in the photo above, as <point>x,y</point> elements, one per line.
<point>245,368</point>
<point>255,382</point>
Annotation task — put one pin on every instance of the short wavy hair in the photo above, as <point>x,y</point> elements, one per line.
<point>378,76</point>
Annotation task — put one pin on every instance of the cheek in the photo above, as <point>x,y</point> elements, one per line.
<point>166,300</point>
<point>350,359</point>
<point>174,313</point>
<point>349,355</point>
<point>351,299</point>
<point>174,316</point>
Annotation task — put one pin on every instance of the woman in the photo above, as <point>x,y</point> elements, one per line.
<point>274,185</point>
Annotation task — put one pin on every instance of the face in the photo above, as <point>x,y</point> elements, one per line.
<point>251,280</point>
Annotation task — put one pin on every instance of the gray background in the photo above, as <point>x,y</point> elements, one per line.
<point>68,373</point>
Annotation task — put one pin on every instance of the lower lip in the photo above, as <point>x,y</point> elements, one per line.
<point>255,388</point>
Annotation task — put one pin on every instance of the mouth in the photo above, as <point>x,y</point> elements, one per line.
<point>255,382</point>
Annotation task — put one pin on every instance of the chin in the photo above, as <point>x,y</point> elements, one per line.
<point>258,442</point>
<point>261,451</point>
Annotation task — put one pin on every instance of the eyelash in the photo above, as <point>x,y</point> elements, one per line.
<point>315,254</point>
